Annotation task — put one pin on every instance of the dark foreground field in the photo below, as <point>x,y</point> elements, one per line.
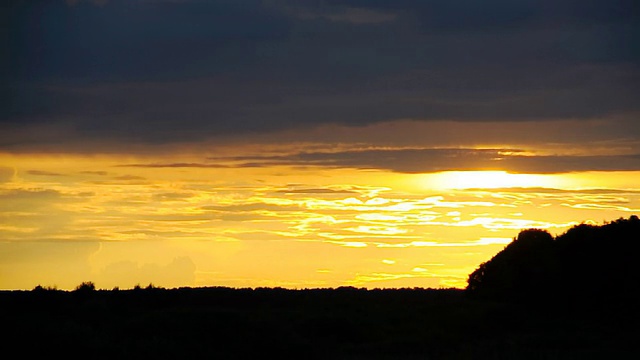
<point>343,323</point>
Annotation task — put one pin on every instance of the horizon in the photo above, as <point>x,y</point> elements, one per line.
<point>307,144</point>
<point>531,237</point>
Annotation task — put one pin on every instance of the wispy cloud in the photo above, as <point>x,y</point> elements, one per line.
<point>176,165</point>
<point>256,215</point>
<point>426,160</point>
<point>44,173</point>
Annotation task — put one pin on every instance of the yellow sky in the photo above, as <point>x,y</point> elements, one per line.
<point>68,219</point>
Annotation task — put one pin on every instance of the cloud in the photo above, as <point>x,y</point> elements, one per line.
<point>176,165</point>
<point>563,164</point>
<point>44,173</point>
<point>41,215</point>
<point>350,15</point>
<point>255,206</point>
<point>172,196</point>
<point>94,2</point>
<point>166,72</point>
<point>317,191</point>
<point>436,160</point>
<point>129,177</point>
<point>6,174</point>
<point>479,242</point>
<point>543,190</point>
<point>415,161</point>
<point>98,173</point>
<point>13,196</point>
<point>362,16</point>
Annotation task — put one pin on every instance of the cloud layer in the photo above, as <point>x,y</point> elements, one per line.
<point>416,160</point>
<point>63,223</point>
<point>159,72</point>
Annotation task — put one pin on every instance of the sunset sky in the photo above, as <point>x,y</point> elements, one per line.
<point>307,144</point>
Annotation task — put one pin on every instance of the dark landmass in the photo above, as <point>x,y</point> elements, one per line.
<point>343,323</point>
<point>533,300</point>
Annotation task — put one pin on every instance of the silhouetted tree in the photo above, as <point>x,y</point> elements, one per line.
<point>85,287</point>
<point>586,262</point>
<point>40,288</point>
<point>525,264</point>
<point>600,261</point>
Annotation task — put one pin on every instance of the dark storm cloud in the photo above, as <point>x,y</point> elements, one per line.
<point>167,71</point>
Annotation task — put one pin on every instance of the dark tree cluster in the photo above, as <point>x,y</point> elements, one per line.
<point>586,263</point>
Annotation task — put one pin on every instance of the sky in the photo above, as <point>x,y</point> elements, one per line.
<point>307,144</point>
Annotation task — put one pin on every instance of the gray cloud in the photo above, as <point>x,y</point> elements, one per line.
<point>159,72</point>
<point>434,160</point>
<point>346,14</point>
<point>94,2</point>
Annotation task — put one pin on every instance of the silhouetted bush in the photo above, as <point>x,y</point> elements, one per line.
<point>40,288</point>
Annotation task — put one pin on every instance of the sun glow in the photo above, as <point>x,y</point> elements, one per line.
<point>490,180</point>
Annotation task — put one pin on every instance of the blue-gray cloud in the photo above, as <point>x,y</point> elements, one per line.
<point>170,71</point>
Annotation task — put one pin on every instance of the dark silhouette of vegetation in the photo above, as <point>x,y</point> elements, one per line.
<point>521,268</point>
<point>85,287</point>
<point>587,263</point>
<point>569,297</point>
<point>40,288</point>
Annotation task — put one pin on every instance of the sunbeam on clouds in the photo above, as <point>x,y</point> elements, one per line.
<point>252,225</point>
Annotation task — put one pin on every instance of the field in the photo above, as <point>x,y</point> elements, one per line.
<point>342,323</point>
